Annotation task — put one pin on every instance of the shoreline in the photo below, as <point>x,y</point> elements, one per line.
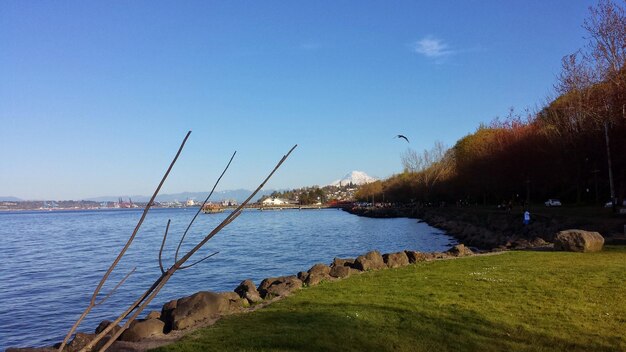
<point>490,229</point>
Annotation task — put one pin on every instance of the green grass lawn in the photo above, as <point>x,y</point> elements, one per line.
<point>521,301</point>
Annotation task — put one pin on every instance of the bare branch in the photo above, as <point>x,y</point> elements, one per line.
<point>202,206</point>
<point>148,296</point>
<point>123,251</point>
<point>139,305</point>
<point>237,211</point>
<point>162,245</point>
<point>606,27</point>
<point>198,262</point>
<point>157,285</point>
<point>116,287</point>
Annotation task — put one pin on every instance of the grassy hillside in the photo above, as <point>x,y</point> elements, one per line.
<point>522,301</point>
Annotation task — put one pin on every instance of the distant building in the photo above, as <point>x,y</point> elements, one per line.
<point>229,203</point>
<point>275,201</point>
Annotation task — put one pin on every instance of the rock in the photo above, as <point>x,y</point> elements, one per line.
<point>166,314</point>
<point>415,257</point>
<point>429,256</point>
<point>342,262</point>
<point>80,340</point>
<point>247,290</point>
<point>266,283</point>
<point>538,242</point>
<point>340,271</point>
<point>141,329</point>
<point>319,269</point>
<point>317,274</point>
<point>279,286</point>
<point>578,241</point>
<point>302,276</point>
<point>245,303</point>
<point>396,260</point>
<point>370,261</point>
<point>460,251</point>
<point>190,310</point>
<point>440,255</point>
<point>104,324</point>
<point>154,315</point>
<point>521,244</point>
<point>234,301</point>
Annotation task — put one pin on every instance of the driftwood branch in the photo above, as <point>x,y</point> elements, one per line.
<point>92,302</point>
<point>116,287</point>
<point>167,228</point>
<point>202,206</point>
<point>140,304</point>
<point>198,262</point>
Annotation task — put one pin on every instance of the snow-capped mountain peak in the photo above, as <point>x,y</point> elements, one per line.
<point>356,178</point>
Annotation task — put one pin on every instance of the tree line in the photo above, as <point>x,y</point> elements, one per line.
<point>574,148</point>
<point>304,196</point>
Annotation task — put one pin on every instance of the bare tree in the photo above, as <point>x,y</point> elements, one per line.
<point>414,161</point>
<point>144,299</point>
<point>429,166</point>
<point>93,302</point>
<point>606,27</point>
<point>576,74</point>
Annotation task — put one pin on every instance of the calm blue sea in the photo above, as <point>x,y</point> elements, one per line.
<point>51,261</point>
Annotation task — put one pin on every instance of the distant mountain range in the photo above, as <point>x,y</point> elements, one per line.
<point>356,178</point>
<point>9,199</point>
<point>238,195</point>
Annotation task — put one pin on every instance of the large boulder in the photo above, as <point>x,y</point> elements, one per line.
<point>141,329</point>
<point>460,251</point>
<point>279,286</point>
<point>247,290</point>
<point>370,261</point>
<point>578,241</point>
<point>396,260</point>
<point>317,274</point>
<point>188,311</point>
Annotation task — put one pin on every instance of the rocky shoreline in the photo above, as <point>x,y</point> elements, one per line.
<point>494,230</point>
<point>182,316</point>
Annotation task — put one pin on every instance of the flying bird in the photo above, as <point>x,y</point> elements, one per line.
<point>401,136</point>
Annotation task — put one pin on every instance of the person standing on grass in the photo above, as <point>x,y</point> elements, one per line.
<point>526,217</point>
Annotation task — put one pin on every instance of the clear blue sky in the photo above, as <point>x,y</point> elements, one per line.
<point>96,96</point>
